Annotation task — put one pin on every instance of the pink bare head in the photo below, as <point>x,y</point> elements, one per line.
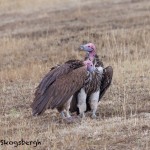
<point>89,47</point>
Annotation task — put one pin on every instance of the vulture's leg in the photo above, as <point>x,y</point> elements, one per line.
<point>64,110</point>
<point>94,103</point>
<point>69,118</point>
<point>67,107</point>
<point>82,102</point>
<point>61,111</point>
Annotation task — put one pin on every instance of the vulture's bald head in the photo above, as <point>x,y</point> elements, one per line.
<point>89,47</point>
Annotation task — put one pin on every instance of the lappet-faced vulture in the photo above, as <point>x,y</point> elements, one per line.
<point>58,86</point>
<point>87,98</point>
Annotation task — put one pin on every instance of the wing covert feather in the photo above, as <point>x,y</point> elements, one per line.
<point>55,73</point>
<point>51,76</point>
<point>60,91</point>
<point>66,86</point>
<point>106,80</point>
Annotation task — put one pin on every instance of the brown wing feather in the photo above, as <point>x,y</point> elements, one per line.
<point>48,81</point>
<point>60,91</point>
<point>66,86</point>
<point>41,92</point>
<point>106,80</point>
<point>56,72</point>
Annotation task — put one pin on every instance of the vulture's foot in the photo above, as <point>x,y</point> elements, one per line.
<point>82,115</point>
<point>68,114</point>
<point>93,116</point>
<point>62,115</point>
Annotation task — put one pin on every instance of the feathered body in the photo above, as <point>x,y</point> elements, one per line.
<point>71,83</point>
<point>101,80</point>
<point>56,72</point>
<point>59,85</point>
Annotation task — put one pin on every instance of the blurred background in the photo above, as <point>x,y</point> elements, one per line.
<point>38,34</point>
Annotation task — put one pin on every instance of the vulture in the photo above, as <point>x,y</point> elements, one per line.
<point>57,88</point>
<point>87,98</point>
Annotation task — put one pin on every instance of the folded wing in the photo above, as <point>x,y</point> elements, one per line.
<point>106,80</point>
<point>55,73</point>
<point>60,91</point>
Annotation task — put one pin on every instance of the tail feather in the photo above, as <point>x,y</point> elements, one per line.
<point>39,104</point>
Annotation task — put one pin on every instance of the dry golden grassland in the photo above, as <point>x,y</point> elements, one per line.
<point>36,35</point>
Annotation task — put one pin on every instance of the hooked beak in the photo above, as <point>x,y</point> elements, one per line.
<point>81,48</point>
<point>85,48</point>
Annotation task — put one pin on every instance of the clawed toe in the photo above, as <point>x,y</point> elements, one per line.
<point>93,116</point>
<point>82,115</point>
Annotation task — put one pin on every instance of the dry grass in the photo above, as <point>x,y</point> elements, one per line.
<point>33,39</point>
